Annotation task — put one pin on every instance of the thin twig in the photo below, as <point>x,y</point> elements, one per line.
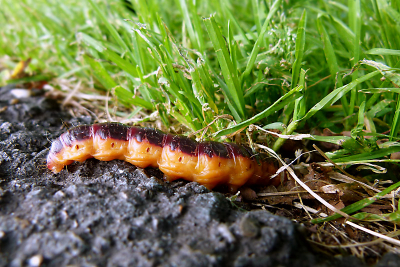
<point>284,136</point>
<point>387,238</point>
<point>282,193</point>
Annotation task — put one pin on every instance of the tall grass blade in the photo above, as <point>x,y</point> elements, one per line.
<point>234,91</point>
<point>257,45</point>
<point>300,46</point>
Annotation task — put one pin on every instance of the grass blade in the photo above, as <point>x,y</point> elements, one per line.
<point>101,73</point>
<point>331,60</point>
<point>383,52</point>
<point>337,94</point>
<point>300,46</point>
<point>279,104</point>
<point>234,89</point>
<point>369,155</point>
<point>355,26</point>
<point>128,98</point>
<point>257,45</point>
<point>112,30</point>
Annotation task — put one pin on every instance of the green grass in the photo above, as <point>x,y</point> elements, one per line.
<point>246,67</point>
<point>304,64</point>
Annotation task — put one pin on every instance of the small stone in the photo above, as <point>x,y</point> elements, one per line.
<point>224,231</point>
<point>35,260</point>
<point>249,227</point>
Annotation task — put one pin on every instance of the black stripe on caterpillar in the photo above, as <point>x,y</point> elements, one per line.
<point>178,157</point>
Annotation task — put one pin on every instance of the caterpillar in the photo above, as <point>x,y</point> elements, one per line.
<point>178,157</point>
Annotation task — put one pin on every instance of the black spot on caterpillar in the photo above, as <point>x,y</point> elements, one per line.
<point>178,157</point>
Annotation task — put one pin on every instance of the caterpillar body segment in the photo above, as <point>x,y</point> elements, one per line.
<point>178,157</point>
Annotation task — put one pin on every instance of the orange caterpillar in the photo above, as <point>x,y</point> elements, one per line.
<point>208,163</point>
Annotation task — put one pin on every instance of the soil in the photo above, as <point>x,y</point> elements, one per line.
<point>114,214</point>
